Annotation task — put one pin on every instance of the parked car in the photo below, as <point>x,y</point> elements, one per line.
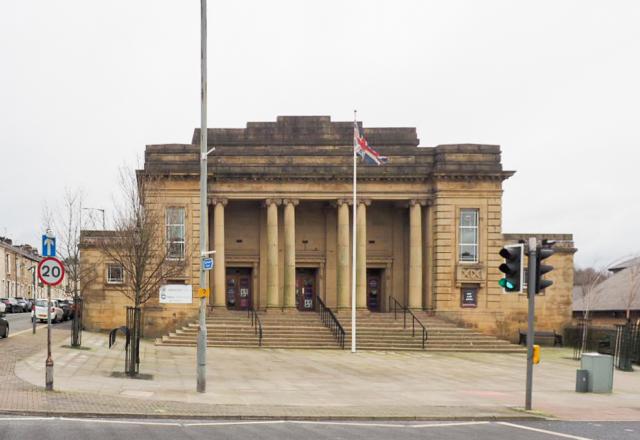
<point>4,326</point>
<point>25,302</point>
<point>40,312</point>
<point>12,305</point>
<point>72,306</point>
<point>67,308</point>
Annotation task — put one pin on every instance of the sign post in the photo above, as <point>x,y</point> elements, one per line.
<point>51,273</point>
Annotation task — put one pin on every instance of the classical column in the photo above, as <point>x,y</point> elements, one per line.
<point>272,253</point>
<point>361,255</point>
<point>415,255</point>
<point>218,243</point>
<point>290,252</point>
<point>343,255</point>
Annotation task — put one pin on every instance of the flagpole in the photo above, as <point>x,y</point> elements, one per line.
<point>353,253</point>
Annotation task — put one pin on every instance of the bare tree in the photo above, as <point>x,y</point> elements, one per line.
<point>79,276</point>
<point>588,290</point>
<point>137,243</point>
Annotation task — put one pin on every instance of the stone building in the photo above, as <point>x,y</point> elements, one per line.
<point>280,211</point>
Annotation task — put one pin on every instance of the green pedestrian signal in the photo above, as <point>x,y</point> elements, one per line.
<point>512,268</point>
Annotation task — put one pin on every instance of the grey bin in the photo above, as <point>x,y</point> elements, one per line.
<point>582,381</point>
<point>600,371</point>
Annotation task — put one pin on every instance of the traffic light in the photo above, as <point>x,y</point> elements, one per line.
<point>512,268</point>
<point>544,252</point>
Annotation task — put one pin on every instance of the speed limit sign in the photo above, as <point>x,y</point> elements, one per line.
<point>51,271</point>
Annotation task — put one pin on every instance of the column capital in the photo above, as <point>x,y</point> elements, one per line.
<point>421,202</point>
<point>365,202</point>
<point>339,202</point>
<point>268,202</point>
<point>218,200</point>
<point>293,202</point>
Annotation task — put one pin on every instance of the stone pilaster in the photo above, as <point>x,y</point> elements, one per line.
<point>343,255</point>
<point>361,255</point>
<point>289,253</point>
<point>273,297</point>
<point>219,269</point>
<point>415,255</point>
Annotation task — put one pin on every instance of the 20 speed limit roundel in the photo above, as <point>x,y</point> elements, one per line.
<point>51,271</point>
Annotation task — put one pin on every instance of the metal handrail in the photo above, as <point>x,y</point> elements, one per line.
<point>394,304</point>
<point>255,323</point>
<point>329,319</point>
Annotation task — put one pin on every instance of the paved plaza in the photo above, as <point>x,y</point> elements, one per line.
<point>300,383</point>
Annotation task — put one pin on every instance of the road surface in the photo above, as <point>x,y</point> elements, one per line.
<point>26,428</point>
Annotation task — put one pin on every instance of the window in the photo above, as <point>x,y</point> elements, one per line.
<point>7,263</point>
<point>115,274</point>
<point>468,238</point>
<point>175,233</point>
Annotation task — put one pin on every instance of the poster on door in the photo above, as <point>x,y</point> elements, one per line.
<point>469,297</point>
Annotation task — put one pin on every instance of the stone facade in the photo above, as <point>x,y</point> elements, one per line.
<point>280,220</point>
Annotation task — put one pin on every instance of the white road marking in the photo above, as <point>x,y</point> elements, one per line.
<point>245,422</point>
<point>376,425</point>
<point>120,422</point>
<point>39,326</point>
<point>23,419</point>
<point>437,425</point>
<point>543,431</point>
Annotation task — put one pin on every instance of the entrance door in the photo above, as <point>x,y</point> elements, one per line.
<point>306,289</point>
<point>374,289</point>
<point>238,292</point>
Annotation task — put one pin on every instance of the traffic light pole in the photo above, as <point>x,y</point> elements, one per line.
<point>531,293</point>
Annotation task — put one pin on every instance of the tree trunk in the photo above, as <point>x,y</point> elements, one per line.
<point>585,330</point>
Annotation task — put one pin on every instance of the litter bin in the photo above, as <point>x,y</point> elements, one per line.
<point>582,381</point>
<point>600,371</point>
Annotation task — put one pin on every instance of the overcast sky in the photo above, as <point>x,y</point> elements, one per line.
<point>85,85</point>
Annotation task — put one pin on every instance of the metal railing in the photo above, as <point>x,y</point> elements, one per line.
<point>627,348</point>
<point>329,319</point>
<point>255,323</point>
<point>395,305</point>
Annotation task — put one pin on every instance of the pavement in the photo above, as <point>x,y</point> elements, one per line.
<point>299,384</point>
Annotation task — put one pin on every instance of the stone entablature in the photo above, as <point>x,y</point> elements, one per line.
<point>281,151</point>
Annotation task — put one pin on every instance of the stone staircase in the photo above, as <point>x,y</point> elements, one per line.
<point>290,329</point>
<point>380,331</point>
<point>376,331</point>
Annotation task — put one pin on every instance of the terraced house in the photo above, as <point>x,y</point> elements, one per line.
<point>280,212</point>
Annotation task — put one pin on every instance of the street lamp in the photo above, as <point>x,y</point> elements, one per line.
<point>33,298</point>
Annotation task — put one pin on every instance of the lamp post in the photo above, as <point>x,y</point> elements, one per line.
<point>201,385</point>
<point>33,298</point>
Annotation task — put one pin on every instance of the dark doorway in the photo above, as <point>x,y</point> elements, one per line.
<point>374,289</point>
<point>238,293</point>
<point>306,289</point>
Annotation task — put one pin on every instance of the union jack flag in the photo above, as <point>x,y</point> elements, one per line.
<point>368,154</point>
